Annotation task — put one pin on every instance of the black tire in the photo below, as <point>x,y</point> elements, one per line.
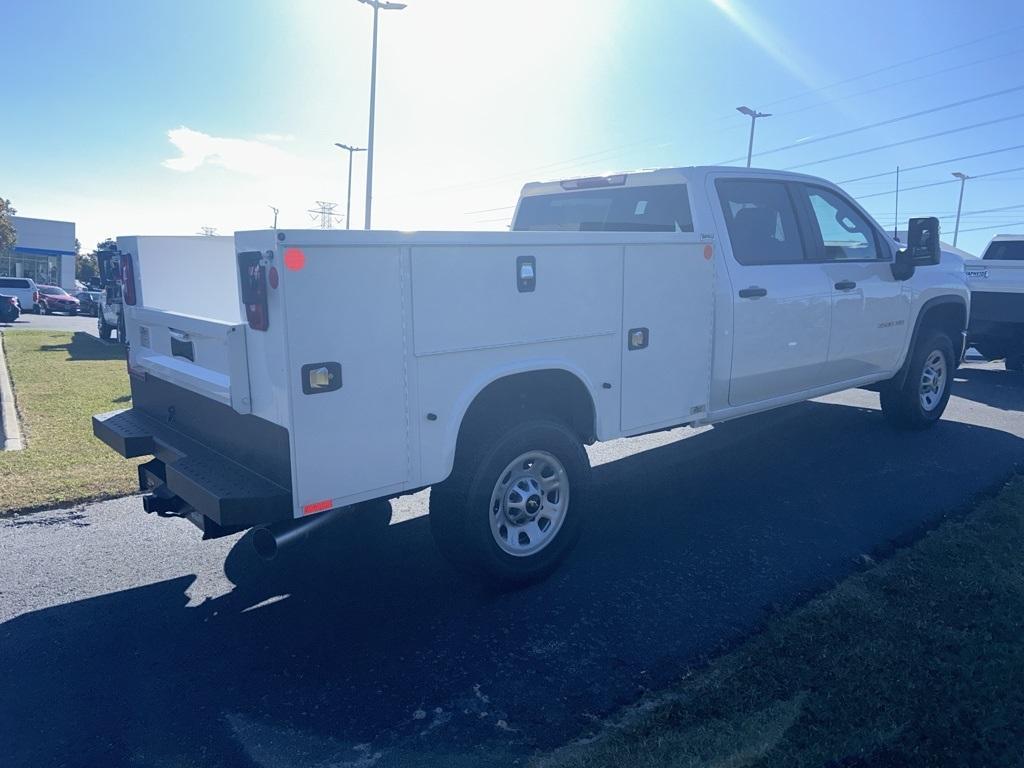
<point>460,506</point>
<point>1015,362</point>
<point>902,406</point>
<point>104,329</point>
<point>46,310</point>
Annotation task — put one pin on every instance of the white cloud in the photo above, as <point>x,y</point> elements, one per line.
<point>274,137</point>
<point>249,156</point>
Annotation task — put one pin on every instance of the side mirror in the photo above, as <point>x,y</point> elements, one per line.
<point>922,248</point>
<point>923,241</point>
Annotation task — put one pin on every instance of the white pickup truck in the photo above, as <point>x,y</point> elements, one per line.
<point>365,365</point>
<point>997,300</point>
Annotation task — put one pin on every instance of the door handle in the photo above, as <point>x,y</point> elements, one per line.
<point>753,292</point>
<point>845,285</point>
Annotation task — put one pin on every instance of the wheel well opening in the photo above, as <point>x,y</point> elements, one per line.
<point>950,318</point>
<point>553,393</point>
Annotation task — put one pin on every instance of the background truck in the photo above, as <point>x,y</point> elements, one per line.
<point>997,301</point>
<point>364,365</point>
<point>109,309</point>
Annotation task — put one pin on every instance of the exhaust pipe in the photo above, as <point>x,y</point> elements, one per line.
<point>268,540</point>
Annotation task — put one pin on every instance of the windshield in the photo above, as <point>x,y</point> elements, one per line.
<point>1005,250</point>
<point>659,208</point>
<point>51,290</point>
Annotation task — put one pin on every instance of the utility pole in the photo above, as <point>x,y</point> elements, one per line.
<point>963,180</point>
<point>753,114</point>
<point>325,212</point>
<point>896,223</point>
<point>378,5</point>
<point>348,199</point>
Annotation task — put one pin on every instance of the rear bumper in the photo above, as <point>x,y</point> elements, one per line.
<point>215,487</point>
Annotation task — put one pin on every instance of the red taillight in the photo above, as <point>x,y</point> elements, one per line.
<point>253,277</point>
<point>128,279</point>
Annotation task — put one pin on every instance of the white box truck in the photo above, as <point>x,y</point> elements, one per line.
<point>364,365</point>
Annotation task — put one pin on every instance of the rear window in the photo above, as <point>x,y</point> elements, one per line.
<point>658,208</point>
<point>1005,250</point>
<point>50,290</point>
<point>13,282</point>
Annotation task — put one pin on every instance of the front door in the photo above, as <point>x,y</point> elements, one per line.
<point>870,308</point>
<point>781,300</point>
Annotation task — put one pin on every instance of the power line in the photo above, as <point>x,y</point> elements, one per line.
<point>1000,226</point>
<point>895,65</point>
<point>932,165</point>
<point>908,141</point>
<point>881,123</point>
<point>899,82</point>
<point>940,183</point>
<point>489,210</point>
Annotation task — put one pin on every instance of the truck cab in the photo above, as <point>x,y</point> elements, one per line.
<point>997,299</point>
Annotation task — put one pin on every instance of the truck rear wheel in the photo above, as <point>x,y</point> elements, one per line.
<point>511,510</point>
<point>919,403</point>
<point>104,329</point>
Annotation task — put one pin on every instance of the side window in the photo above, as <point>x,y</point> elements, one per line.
<point>845,234</point>
<point>761,221</point>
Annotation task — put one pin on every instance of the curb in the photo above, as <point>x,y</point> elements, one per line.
<point>10,429</point>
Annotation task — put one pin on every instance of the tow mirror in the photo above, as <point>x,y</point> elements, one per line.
<point>922,248</point>
<point>923,241</point>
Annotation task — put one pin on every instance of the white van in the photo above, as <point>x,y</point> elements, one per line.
<point>24,289</point>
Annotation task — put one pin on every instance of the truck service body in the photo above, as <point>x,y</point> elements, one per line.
<point>364,365</point>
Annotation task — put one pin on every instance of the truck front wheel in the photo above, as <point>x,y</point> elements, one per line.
<point>511,509</point>
<point>919,403</point>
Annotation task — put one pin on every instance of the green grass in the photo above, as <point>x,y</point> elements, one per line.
<point>917,661</point>
<point>60,380</point>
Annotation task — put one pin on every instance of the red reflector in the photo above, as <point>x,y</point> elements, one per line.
<point>272,277</point>
<point>294,259</point>
<point>708,252</point>
<point>317,506</point>
<point>127,279</point>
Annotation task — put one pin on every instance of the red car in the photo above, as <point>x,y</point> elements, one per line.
<point>53,299</point>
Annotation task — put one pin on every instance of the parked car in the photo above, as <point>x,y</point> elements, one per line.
<point>55,299</point>
<point>997,301</point>
<point>89,302</point>
<point>482,363</point>
<point>25,289</point>
<point>10,309</point>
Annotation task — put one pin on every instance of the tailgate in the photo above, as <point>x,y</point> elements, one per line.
<point>204,356</point>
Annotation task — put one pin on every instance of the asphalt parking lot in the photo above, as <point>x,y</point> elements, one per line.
<point>32,322</point>
<point>128,641</point>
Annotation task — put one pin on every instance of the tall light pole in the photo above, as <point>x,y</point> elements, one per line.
<point>348,200</point>
<point>276,211</point>
<point>753,114</point>
<point>378,5</point>
<point>963,180</point>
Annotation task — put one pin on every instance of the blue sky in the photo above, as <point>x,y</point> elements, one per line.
<point>163,117</point>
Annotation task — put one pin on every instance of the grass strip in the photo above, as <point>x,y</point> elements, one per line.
<point>917,661</point>
<point>60,380</point>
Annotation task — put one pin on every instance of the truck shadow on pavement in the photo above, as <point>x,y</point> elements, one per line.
<point>365,642</point>
<point>85,347</point>
<point>994,387</point>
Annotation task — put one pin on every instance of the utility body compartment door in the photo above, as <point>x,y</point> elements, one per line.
<point>668,308</point>
<point>345,326</point>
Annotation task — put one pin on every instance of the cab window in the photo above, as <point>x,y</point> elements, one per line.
<point>846,235</point>
<point>761,221</point>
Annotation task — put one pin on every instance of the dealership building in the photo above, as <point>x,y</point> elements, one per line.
<point>44,250</point>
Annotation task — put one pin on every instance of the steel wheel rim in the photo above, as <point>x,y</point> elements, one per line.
<point>528,503</point>
<point>933,380</point>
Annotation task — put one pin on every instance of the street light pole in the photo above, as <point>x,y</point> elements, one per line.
<point>963,180</point>
<point>348,199</point>
<point>275,210</point>
<point>753,114</point>
<point>377,6</point>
